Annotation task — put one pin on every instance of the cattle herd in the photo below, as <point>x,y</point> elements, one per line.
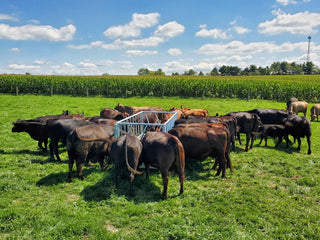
<point>195,135</point>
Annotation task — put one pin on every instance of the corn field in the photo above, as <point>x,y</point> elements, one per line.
<point>274,87</point>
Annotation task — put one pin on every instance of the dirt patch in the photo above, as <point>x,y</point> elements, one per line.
<point>110,227</point>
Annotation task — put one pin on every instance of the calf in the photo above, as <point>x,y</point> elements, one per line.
<point>125,154</point>
<point>85,143</point>
<point>165,152</point>
<point>274,131</point>
<point>315,111</point>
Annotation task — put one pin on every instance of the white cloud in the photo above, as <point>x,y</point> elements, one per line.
<point>174,51</point>
<point>140,53</point>
<point>8,17</point>
<point>277,12</point>
<point>40,62</point>
<point>214,33</point>
<point>299,23</point>
<point>35,32</point>
<point>286,2</point>
<point>15,50</point>
<point>133,29</point>
<point>238,47</point>
<point>241,30</point>
<point>176,66</point>
<point>23,67</point>
<point>162,34</point>
<point>169,30</point>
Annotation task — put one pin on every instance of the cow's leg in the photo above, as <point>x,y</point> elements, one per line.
<point>165,179</point>
<point>54,148</point>
<point>309,144</point>
<point>80,160</point>
<point>71,162</point>
<point>299,144</point>
<point>253,137</point>
<point>229,164</point>
<point>40,146</point>
<point>247,141</point>
<point>45,141</point>
<point>265,140</point>
<point>222,164</point>
<point>239,139</point>
<point>51,149</point>
<point>279,141</point>
<point>147,170</point>
<point>261,138</point>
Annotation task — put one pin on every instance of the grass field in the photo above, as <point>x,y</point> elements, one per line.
<point>272,194</point>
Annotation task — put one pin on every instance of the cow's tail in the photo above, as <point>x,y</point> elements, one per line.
<point>133,171</point>
<point>180,161</point>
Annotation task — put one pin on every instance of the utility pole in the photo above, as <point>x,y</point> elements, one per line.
<point>308,55</point>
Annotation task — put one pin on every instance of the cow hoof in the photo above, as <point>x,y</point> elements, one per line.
<point>70,179</point>
<point>309,152</point>
<point>81,178</point>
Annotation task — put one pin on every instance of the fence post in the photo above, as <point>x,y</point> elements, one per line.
<point>51,91</point>
<point>17,91</point>
<point>87,92</point>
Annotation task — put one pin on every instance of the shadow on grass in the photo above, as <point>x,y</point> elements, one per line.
<point>62,177</point>
<point>143,190</point>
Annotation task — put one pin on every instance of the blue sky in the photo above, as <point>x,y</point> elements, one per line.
<point>82,37</point>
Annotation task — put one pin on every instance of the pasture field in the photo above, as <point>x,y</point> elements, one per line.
<point>273,193</point>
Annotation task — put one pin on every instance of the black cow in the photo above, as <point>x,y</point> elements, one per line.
<point>58,130</point>
<point>125,154</point>
<point>165,152</point>
<point>271,116</point>
<point>85,143</point>
<point>248,123</point>
<point>274,131</point>
<point>194,119</point>
<point>298,127</point>
<point>36,130</point>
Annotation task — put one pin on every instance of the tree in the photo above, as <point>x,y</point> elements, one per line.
<point>214,72</point>
<point>191,72</point>
<point>307,67</point>
<point>143,71</point>
<point>201,73</point>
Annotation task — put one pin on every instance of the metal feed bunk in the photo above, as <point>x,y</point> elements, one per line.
<point>139,123</point>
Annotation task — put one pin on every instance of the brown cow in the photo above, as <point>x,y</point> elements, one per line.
<point>201,141</point>
<point>132,110</point>
<point>299,106</point>
<point>315,111</point>
<point>194,112</point>
<point>113,114</point>
<point>125,154</point>
<point>164,151</point>
<point>85,143</point>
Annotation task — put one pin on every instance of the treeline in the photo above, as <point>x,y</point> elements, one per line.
<point>276,68</point>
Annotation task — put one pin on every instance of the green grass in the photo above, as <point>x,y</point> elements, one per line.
<point>272,194</point>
